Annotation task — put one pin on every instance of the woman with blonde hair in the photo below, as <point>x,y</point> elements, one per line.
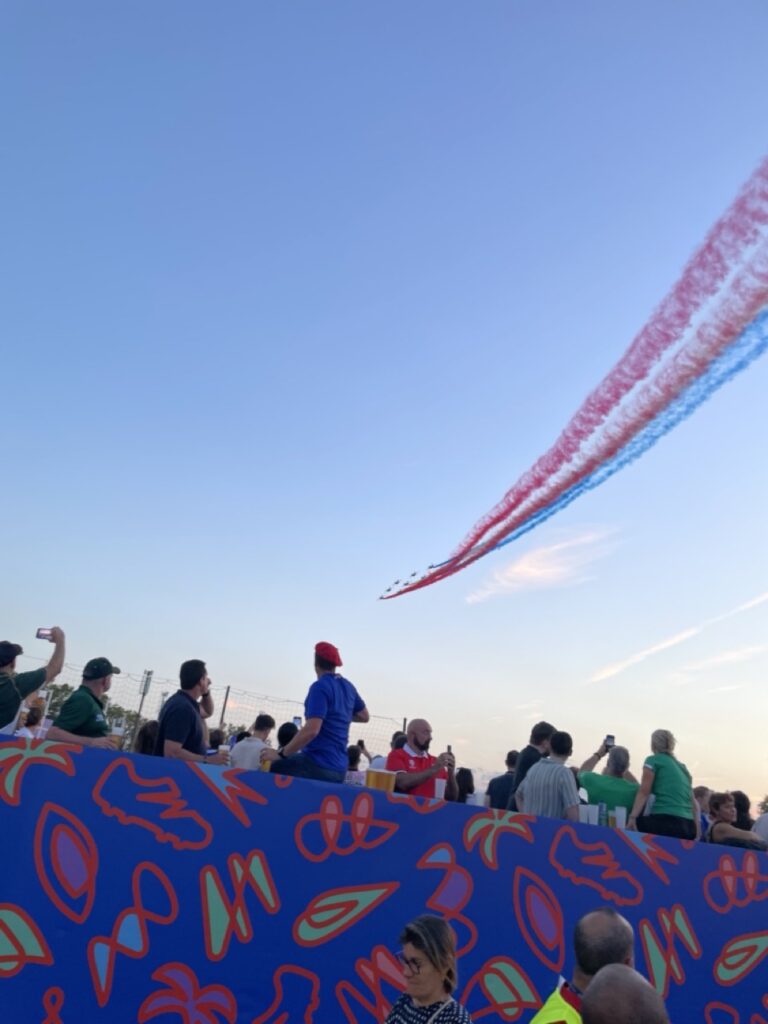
<point>674,811</point>
<point>428,962</point>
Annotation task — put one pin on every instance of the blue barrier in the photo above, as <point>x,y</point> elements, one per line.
<point>139,889</point>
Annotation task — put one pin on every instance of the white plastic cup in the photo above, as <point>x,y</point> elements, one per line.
<point>584,814</point>
<point>593,814</point>
<point>621,817</point>
<point>440,789</point>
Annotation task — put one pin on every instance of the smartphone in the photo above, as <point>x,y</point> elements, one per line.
<point>609,741</point>
<point>448,749</point>
<point>44,633</point>
<point>297,721</point>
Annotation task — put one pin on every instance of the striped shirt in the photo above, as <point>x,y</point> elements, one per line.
<point>549,789</point>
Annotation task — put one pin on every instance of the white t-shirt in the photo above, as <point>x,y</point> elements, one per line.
<point>247,754</point>
<point>760,828</point>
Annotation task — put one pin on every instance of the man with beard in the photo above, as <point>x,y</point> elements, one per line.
<point>417,769</point>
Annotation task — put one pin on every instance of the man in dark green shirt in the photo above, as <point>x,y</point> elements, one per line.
<point>16,686</point>
<point>81,718</point>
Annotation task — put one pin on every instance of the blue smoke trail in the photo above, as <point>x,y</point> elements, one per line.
<point>750,344</point>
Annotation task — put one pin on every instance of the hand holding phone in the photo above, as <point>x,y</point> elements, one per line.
<point>609,741</point>
<point>44,633</point>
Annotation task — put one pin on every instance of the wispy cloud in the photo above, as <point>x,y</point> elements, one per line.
<point>608,671</point>
<point>726,658</point>
<point>554,565</point>
<point>727,689</point>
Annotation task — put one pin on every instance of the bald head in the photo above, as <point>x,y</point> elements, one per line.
<point>419,733</point>
<point>602,937</point>
<point>619,995</point>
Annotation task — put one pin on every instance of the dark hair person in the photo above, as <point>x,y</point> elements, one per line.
<point>465,780</point>
<point>353,754</point>
<point>724,829</point>
<point>428,962</point>
<point>675,811</point>
<point>743,807</point>
<point>146,738</point>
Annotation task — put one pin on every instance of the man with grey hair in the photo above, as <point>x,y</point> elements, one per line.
<point>617,786</point>
<point>600,937</point>
<point>619,995</point>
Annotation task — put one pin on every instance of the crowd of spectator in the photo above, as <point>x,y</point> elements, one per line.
<point>538,779</point>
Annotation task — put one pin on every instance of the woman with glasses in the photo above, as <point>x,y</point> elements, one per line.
<point>428,962</point>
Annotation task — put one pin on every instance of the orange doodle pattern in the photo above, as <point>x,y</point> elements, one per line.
<point>340,833</point>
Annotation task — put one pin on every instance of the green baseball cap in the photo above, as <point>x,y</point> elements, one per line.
<point>97,668</point>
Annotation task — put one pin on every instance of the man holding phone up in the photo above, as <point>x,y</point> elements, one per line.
<point>417,769</point>
<point>16,686</point>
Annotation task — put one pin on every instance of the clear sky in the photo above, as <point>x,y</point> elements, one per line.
<point>293,292</point>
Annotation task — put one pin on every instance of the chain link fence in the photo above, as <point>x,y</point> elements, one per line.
<point>233,709</point>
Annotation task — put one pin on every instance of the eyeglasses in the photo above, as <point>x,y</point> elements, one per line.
<point>413,965</point>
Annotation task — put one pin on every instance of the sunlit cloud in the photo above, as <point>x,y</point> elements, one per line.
<point>616,667</point>
<point>634,659</point>
<point>563,564</point>
<point>733,657</point>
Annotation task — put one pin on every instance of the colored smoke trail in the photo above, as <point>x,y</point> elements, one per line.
<point>685,353</point>
<point>726,246</point>
<point>750,345</point>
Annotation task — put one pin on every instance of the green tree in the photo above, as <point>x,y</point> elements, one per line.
<point>59,693</point>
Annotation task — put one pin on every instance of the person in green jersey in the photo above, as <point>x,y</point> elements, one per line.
<point>617,786</point>
<point>674,811</point>
<point>81,718</point>
<point>16,686</point>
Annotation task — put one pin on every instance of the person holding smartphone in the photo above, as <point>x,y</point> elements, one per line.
<point>16,686</point>
<point>417,769</point>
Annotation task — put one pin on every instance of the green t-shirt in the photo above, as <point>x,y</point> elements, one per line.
<point>13,690</point>
<point>671,786</point>
<point>83,714</point>
<point>609,790</point>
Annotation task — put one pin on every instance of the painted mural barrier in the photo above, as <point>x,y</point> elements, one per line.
<point>137,889</point>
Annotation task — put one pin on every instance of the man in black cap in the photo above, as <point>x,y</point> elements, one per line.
<point>16,686</point>
<point>81,718</point>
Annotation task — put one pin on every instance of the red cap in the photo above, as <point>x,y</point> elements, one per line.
<point>328,652</point>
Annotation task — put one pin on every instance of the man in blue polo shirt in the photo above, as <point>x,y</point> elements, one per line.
<point>319,748</point>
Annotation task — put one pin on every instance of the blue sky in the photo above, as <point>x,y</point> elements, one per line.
<point>292,294</point>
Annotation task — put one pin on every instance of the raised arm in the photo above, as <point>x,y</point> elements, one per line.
<point>591,763</point>
<point>56,663</point>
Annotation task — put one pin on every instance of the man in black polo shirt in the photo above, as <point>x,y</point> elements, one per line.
<point>16,686</point>
<point>81,718</point>
<point>181,734</point>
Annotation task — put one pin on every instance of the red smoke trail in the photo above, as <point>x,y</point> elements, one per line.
<point>707,272</point>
